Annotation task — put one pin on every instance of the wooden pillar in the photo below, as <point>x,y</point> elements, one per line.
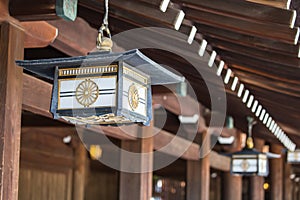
<point>11,48</point>
<point>276,174</point>
<point>232,185</point>
<point>287,189</point>
<point>256,182</point>
<point>137,185</point>
<point>80,170</point>
<point>198,173</point>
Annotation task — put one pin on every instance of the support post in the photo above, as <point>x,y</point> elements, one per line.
<point>232,185</point>
<point>276,174</point>
<point>137,185</point>
<point>287,189</point>
<point>11,48</point>
<point>198,173</point>
<point>256,182</point>
<point>80,170</point>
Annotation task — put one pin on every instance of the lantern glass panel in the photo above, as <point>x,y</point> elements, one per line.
<point>263,166</point>
<point>244,164</point>
<point>293,157</point>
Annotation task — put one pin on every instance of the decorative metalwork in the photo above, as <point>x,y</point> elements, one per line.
<point>87,92</point>
<point>133,97</point>
<point>245,165</point>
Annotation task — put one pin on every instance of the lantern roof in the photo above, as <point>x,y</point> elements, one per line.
<point>247,151</point>
<point>159,75</point>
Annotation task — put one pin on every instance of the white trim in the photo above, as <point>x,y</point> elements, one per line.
<point>220,68</point>
<point>192,35</point>
<point>179,20</point>
<point>227,77</point>
<point>212,58</point>
<point>202,48</point>
<point>164,5</point>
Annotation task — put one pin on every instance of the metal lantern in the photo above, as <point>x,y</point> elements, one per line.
<point>249,161</point>
<point>67,9</point>
<point>102,88</point>
<point>293,157</point>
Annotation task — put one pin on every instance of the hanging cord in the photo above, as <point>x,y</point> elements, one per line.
<point>104,43</point>
<point>251,122</point>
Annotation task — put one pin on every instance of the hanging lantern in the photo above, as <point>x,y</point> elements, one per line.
<point>249,161</point>
<point>293,157</point>
<point>102,87</point>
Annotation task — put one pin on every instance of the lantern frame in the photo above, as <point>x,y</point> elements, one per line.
<point>293,157</point>
<point>249,162</point>
<point>126,68</point>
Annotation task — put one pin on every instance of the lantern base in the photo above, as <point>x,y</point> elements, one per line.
<point>98,120</point>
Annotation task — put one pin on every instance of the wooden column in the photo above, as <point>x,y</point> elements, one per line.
<point>256,182</point>
<point>198,173</point>
<point>276,174</point>
<point>232,185</point>
<point>137,186</point>
<point>80,170</point>
<point>287,189</point>
<point>11,48</point>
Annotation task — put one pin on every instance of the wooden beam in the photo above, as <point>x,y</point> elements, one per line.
<point>133,184</point>
<point>244,9</point>
<point>277,4</point>
<point>11,45</point>
<point>39,34</point>
<point>4,9</point>
<point>276,174</point>
<point>75,38</point>
<point>32,10</point>
<point>186,106</point>
<point>258,29</point>
<point>268,44</point>
<point>162,138</point>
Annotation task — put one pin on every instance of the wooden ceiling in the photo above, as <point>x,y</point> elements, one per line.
<point>258,42</point>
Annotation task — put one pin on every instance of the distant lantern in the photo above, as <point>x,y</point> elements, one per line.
<point>293,157</point>
<point>249,161</point>
<point>67,9</point>
<point>102,88</point>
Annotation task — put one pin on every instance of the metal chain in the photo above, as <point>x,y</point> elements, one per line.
<point>105,19</point>
<point>104,28</point>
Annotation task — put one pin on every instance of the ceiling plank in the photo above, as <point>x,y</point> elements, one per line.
<point>247,10</point>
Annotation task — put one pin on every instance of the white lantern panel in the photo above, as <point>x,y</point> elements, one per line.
<point>263,166</point>
<point>244,165</point>
<point>89,92</point>
<point>293,157</point>
<point>134,97</point>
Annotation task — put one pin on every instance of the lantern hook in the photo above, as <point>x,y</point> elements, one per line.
<point>104,42</point>
<point>251,123</point>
